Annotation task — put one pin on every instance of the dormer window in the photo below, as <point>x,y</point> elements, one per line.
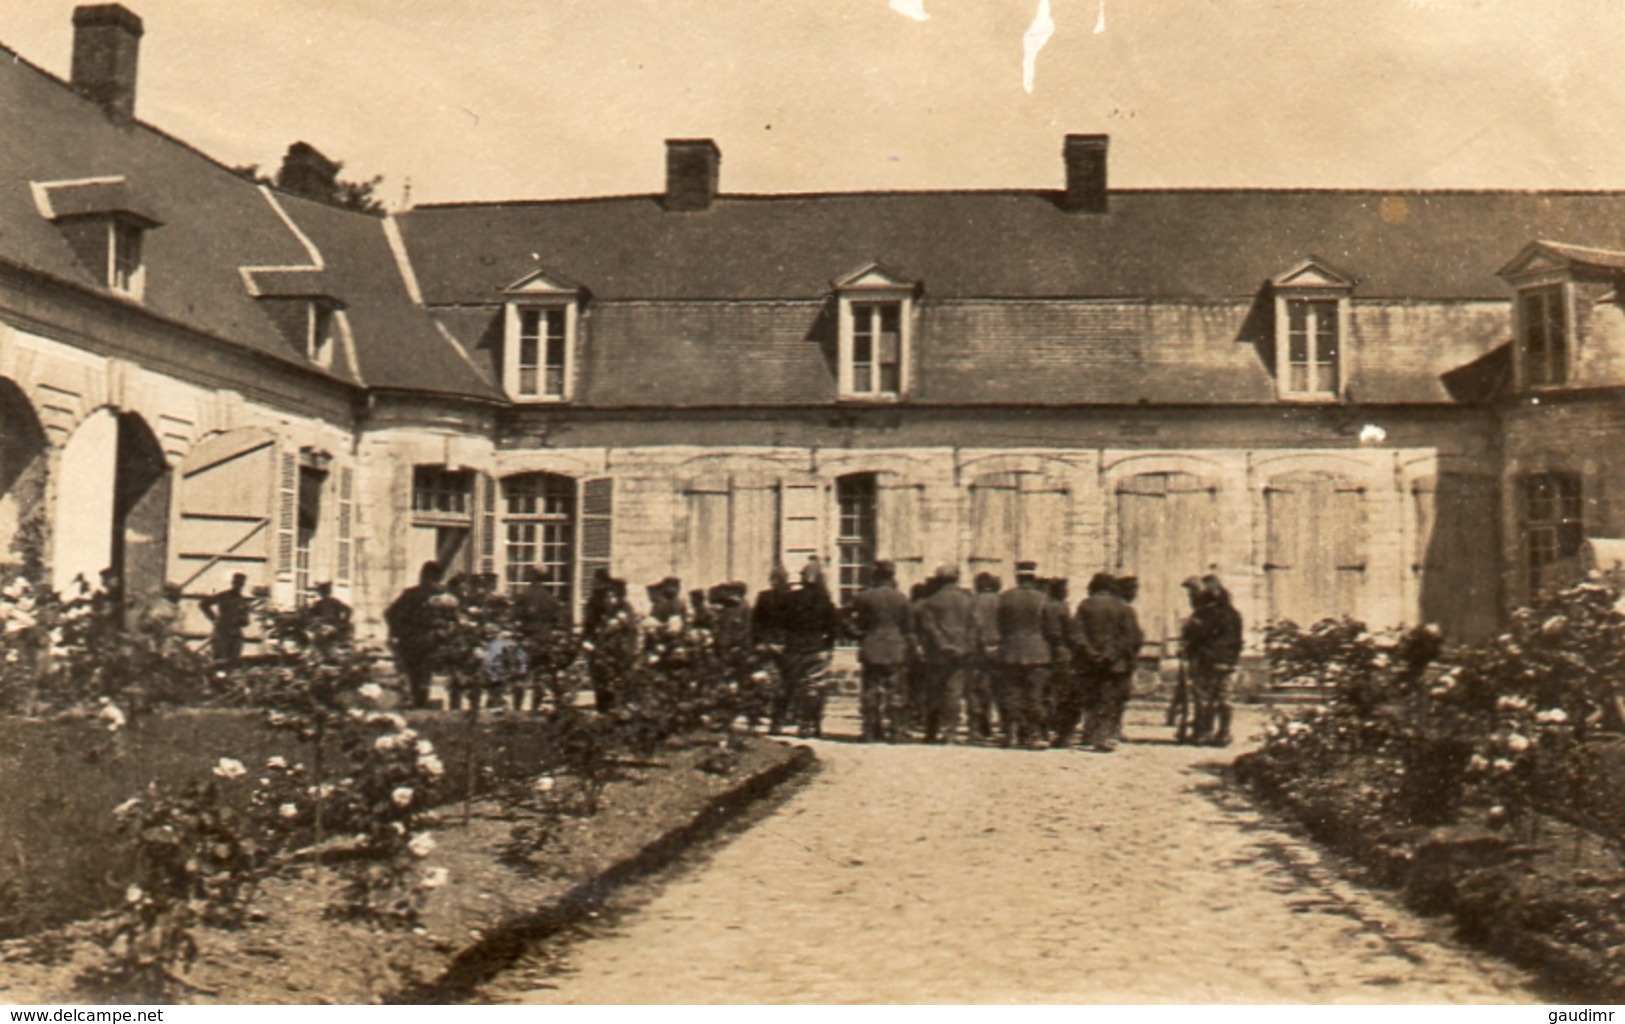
<point>1311,318</point>
<point>319,337</point>
<point>105,221</point>
<point>876,314</point>
<point>1543,335</point>
<point>126,273</point>
<point>539,341</point>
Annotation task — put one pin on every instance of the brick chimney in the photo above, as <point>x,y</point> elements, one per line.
<point>1085,157</point>
<point>106,45</point>
<point>692,167</point>
<point>306,172</point>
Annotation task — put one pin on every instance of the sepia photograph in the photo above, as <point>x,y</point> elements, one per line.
<point>881,502</point>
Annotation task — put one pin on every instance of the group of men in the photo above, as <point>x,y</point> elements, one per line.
<point>1025,656</point>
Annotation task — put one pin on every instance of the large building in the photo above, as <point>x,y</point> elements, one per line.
<point>1402,406</point>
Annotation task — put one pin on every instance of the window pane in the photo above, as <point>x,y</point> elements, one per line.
<point>527,380</point>
<point>1326,377</point>
<point>862,378</point>
<point>530,321</point>
<point>1299,377</point>
<point>889,379</point>
<point>890,347</point>
<point>555,382</point>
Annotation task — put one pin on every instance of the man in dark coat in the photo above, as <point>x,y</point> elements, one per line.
<point>1026,638</point>
<point>1062,679</point>
<point>946,631</point>
<point>1210,643</point>
<point>770,628</point>
<point>885,626</point>
<point>981,677</point>
<point>413,620</point>
<point>229,610</point>
<point>1108,642</point>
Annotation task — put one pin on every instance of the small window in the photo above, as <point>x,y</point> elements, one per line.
<point>541,359</point>
<point>1545,336</point>
<point>1554,524</point>
<point>319,341</point>
<point>125,273</point>
<point>1312,347</point>
<point>437,491</point>
<point>876,348</point>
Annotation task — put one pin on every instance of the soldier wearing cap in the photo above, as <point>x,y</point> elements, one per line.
<point>947,632</point>
<point>982,670</point>
<point>1210,642</point>
<point>1026,636</point>
<point>1108,641</point>
<point>885,626</point>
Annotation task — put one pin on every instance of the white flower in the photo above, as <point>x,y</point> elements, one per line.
<point>425,748</point>
<point>421,844</point>
<point>321,792</point>
<point>111,715</point>
<point>230,768</point>
<point>1518,742</point>
<point>288,811</point>
<point>397,828</point>
<point>430,765</point>
<point>133,894</point>
<point>1502,765</point>
<point>388,718</point>
<point>371,691</point>
<point>276,761</point>
<point>1552,716</point>
<point>1512,704</point>
<point>127,806</point>
<point>1478,763</point>
<point>545,784</point>
<point>1296,728</point>
<point>402,797</point>
<point>434,878</point>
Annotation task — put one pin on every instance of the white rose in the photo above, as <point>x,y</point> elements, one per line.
<point>402,797</point>
<point>371,691</point>
<point>1518,743</point>
<point>230,768</point>
<point>431,766</point>
<point>276,761</point>
<point>288,811</point>
<point>421,844</point>
<point>133,894</point>
<point>545,784</point>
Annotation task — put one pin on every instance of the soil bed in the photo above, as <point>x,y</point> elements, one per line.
<point>648,813</point>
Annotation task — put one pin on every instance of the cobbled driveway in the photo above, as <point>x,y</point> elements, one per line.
<point>930,874</point>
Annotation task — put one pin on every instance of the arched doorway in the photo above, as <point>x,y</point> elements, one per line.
<point>22,475</point>
<point>112,509</point>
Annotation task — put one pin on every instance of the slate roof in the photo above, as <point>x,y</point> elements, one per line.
<point>1176,243</point>
<point>214,224</point>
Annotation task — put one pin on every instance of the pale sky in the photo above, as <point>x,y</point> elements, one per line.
<point>511,99</point>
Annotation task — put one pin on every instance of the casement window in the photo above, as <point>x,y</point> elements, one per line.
<point>438,492</point>
<point>1543,335</point>
<point>1553,521</point>
<point>1311,331</point>
<point>857,505</point>
<point>876,326</point>
<point>542,320</point>
<point>539,531</point>
<point>1312,346</point>
<point>126,271</point>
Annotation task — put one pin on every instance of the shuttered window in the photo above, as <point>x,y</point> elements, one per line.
<point>539,531</point>
<point>856,499</point>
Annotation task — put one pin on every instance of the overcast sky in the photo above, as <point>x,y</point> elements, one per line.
<point>493,99</point>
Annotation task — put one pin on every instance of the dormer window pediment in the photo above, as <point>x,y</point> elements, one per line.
<point>1549,279</point>
<point>876,314</point>
<point>541,323</point>
<point>105,222</point>
<point>1311,301</point>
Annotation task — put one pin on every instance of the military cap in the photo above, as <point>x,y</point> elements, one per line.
<point>1026,568</point>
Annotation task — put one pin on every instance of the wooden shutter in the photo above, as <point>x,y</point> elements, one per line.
<point>345,570</point>
<point>223,520</point>
<point>900,525</point>
<point>706,539</point>
<point>485,522</point>
<point>1316,549</point>
<point>1347,532</point>
<point>802,501</point>
<point>1042,535</point>
<point>287,518</point>
<point>1166,533</point>
<point>993,525</point>
<point>596,521</point>
<point>1284,507</point>
<point>753,540</point>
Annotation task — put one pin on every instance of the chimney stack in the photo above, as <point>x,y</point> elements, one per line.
<point>106,45</point>
<point>692,167</point>
<point>1085,157</point>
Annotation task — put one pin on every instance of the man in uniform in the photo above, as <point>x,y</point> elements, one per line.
<point>1108,638</point>
<point>947,635</point>
<point>229,611</point>
<point>885,626</point>
<point>1024,656</point>
<point>1211,643</point>
<point>412,622</point>
<point>332,613</point>
<point>981,677</point>
<point>1062,678</point>
<point>770,627</point>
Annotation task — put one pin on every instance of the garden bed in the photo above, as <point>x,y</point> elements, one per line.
<point>288,952</point>
<point>1554,903</point>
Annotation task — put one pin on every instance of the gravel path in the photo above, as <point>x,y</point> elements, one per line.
<point>930,874</point>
